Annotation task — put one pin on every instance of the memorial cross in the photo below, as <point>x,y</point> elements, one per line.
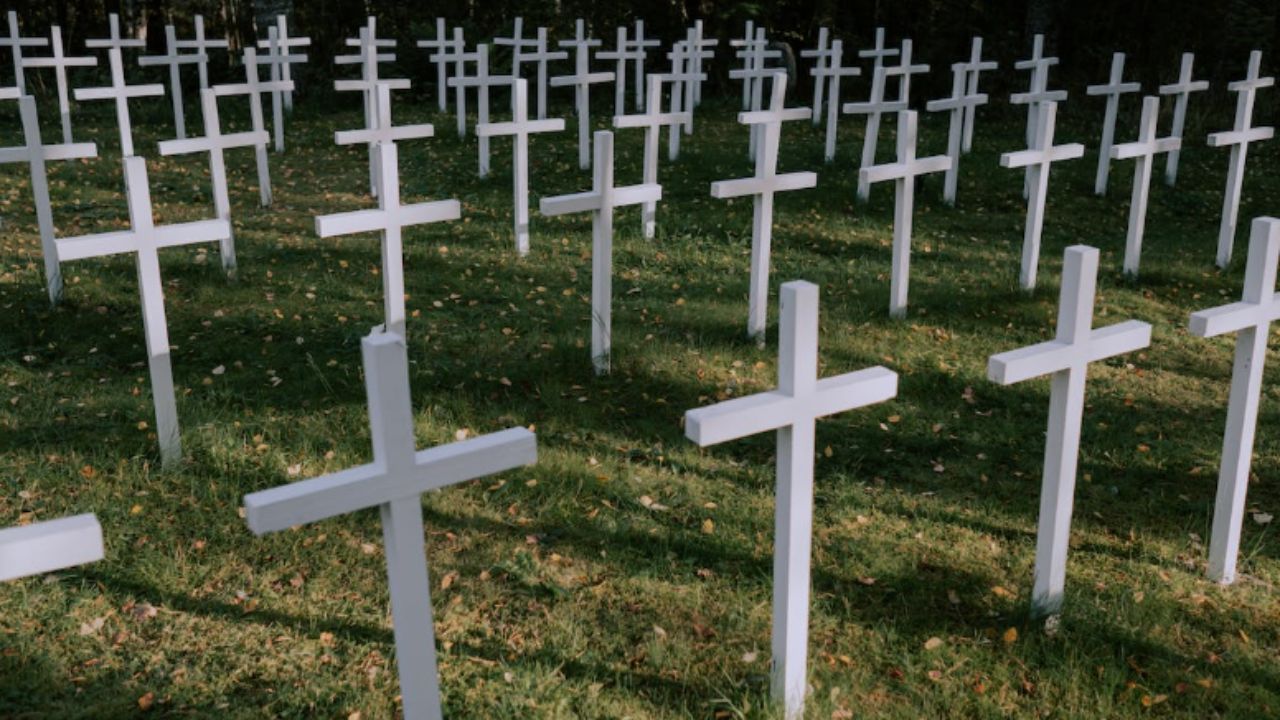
<point>958,105</point>
<point>368,58</point>
<point>1114,88</point>
<point>201,47</point>
<point>747,41</point>
<point>701,48</point>
<point>679,76</point>
<point>175,60</point>
<point>652,121</point>
<point>444,48</point>
<point>582,80</point>
<point>60,62</point>
<point>831,69</point>
<point>1144,150</point>
<point>1181,91</point>
<point>120,92</point>
<point>42,547</point>
<point>456,52</point>
<point>754,72</point>
<point>1038,87</point>
<point>877,106</point>
<point>820,56</point>
<point>622,54</point>
<point>482,81</point>
<point>278,59</point>
<point>517,42</point>
<point>974,68</point>
<point>641,46</point>
<point>1238,139</point>
<point>286,46</point>
<point>114,40</point>
<point>253,88</point>
<point>878,52</point>
<point>541,56</point>
<point>15,42</point>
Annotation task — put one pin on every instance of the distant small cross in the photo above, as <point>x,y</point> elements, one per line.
<point>120,92</point>
<point>542,56</point>
<point>1238,139</point>
<point>114,40</point>
<point>517,42</point>
<point>753,73</point>
<point>877,106</point>
<point>1144,151</point>
<point>622,54</point>
<point>284,46</point>
<point>60,62</point>
<point>652,120</point>
<point>831,70</point>
<point>679,76</point>
<point>820,54</point>
<point>15,42</point>
<point>581,81</point>
<point>640,45</point>
<point>482,81</point>
<point>1112,90</point>
<point>175,59</point>
<point>443,48</point>
<point>1038,91</point>
<point>201,47</point>
<point>746,43</point>
<point>878,52</point>
<point>278,59</point>
<point>1181,91</point>
<point>958,105</point>
<point>974,67</point>
<point>253,88</point>
<point>42,547</point>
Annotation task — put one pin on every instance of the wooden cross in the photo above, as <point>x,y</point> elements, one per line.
<point>175,60</point>
<point>904,173</point>
<point>1114,88</point>
<point>215,143</point>
<point>391,217</point>
<point>600,202</point>
<point>641,46</point>
<point>831,69</point>
<point>51,545</point>
<point>202,46</point>
<point>120,92</point>
<point>517,42</point>
<point>519,129</point>
<point>1144,151</point>
<point>792,411</point>
<point>253,88</point>
<point>753,73</point>
<point>444,49</point>
<point>1066,360</point>
<point>60,62</point>
<point>144,239</point>
<point>1250,320</point>
<point>1181,90</point>
<point>15,42</point>
<point>581,81</point>
<point>1038,159</point>
<point>975,67</point>
<point>958,105</point>
<point>482,81</point>
<point>395,482</point>
<point>35,153</point>
<point>701,48</point>
<point>1038,88</point>
<point>652,121</point>
<point>878,52</point>
<point>278,59</point>
<point>877,106</point>
<point>622,54</point>
<point>456,53</point>
<point>679,76</point>
<point>762,187</point>
<point>541,56</point>
<point>284,47</point>
<point>821,56</point>
<point>114,40</point>
<point>747,42</point>
<point>1238,139</point>
<point>368,58</point>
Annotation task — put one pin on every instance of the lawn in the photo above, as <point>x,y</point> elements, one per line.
<point>628,574</point>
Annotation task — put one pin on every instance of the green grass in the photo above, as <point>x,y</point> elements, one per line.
<point>627,575</point>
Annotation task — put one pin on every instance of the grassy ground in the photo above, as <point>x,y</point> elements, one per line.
<point>627,575</point>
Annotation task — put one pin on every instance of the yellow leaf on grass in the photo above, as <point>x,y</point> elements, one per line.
<point>1010,636</point>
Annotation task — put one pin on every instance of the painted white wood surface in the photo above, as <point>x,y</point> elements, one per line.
<point>581,81</point>
<point>1111,90</point>
<point>50,545</point>
<point>285,46</point>
<point>201,45</point>
<point>1238,139</point>
<point>652,122</point>
<point>252,88</point>
<point>1181,92</point>
<point>120,92</point>
<point>59,62</point>
<point>1143,151</point>
<point>958,106</point>
<point>174,59</point>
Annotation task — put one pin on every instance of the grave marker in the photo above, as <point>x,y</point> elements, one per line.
<point>830,70</point>
<point>285,46</point>
<point>175,59</point>
<point>1238,139</point>
<point>15,42</point>
<point>1114,88</point>
<point>958,105</point>
<point>120,92</point>
<point>581,81</point>
<point>517,43</point>
<point>1144,151</point>
<point>278,60</point>
<point>975,67</point>
<point>445,48</point>
<point>541,56</point>
<point>876,106</point>
<point>482,81</point>
<point>1181,91</point>
<point>253,89</point>
<point>652,122</point>
<point>201,47</point>
<point>640,46</point>
<point>821,55</point>
<point>60,62</point>
<point>622,54</point>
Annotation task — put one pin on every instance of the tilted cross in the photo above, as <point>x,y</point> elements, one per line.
<point>1038,159</point>
<point>763,186</point>
<point>15,42</point>
<point>519,129</point>
<point>1238,139</point>
<point>792,411</point>
<point>517,42</point>
<point>482,81</point>
<point>201,46</point>
<point>253,88</point>
<point>1066,359</point>
<point>175,60</point>
<point>278,59</point>
<point>444,47</point>
<point>600,201</point>
<point>975,67</point>
<point>541,56</point>
<point>641,47</point>
<point>1250,320</point>
<point>1114,88</point>
<point>904,173</point>
<point>1181,90</point>
<point>395,482</point>
<point>284,47</point>
<point>43,547</point>
<point>820,55</point>
<point>120,92</point>
<point>652,121</point>
<point>144,240</point>
<point>958,105</point>
<point>60,62</point>
<point>831,69</point>
<point>391,217</point>
<point>36,154</point>
<point>581,81</point>
<point>622,54</point>
<point>1144,151</point>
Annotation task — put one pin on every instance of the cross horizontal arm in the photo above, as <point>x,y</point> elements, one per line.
<point>367,486</point>
<point>1023,158</point>
<point>569,204</point>
<point>251,88</point>
<point>65,61</point>
<point>760,117</point>
<point>384,134</point>
<point>651,119</point>
<point>1050,357</point>
<point>1136,149</point>
<point>1239,137</point>
<point>217,142</point>
<point>359,221</point>
<point>589,78</point>
<point>111,92</point>
<point>50,545</point>
<point>1027,98</point>
<point>894,171</point>
<point>956,103</point>
<point>363,85</point>
<point>724,189</point>
<point>71,151</point>
<point>183,59</point>
<point>518,128</point>
<point>1129,87</point>
<point>1233,318</point>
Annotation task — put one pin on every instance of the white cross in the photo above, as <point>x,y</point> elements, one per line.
<point>60,62</point>
<point>519,129</point>
<point>878,53</point>
<point>114,40</point>
<point>820,55</point>
<point>903,173</point>
<point>753,73</point>
<point>958,105</point>
<point>1238,139</point>
<point>1114,88</point>
<point>831,69</point>
<point>582,80</point>
<point>215,143</point>
<point>1250,319</point>
<point>641,47</point>
<point>652,121</point>
<point>876,106</point>
<point>284,46</point>
<point>144,239</point>
<point>1181,91</point>
<point>391,217</point>
<point>1066,359</point>
<point>456,53</point>
<point>395,482</point>
<point>1038,87</point>
<point>1144,151</point>
<point>679,76</point>
<point>766,182</point>
<point>792,410</point>
<point>702,49</point>
<point>517,42</point>
<point>482,81</point>
<point>278,58</point>
<point>975,67</point>
<point>202,46</point>
<point>254,89</point>
<point>120,92</point>
<point>444,48</point>
<point>35,153</point>
<point>622,53</point>
<point>603,197</point>
<point>368,58</point>
<point>747,42</point>
<point>541,56</point>
<point>15,42</point>
<point>1038,160</point>
<point>51,545</point>
<point>175,60</point>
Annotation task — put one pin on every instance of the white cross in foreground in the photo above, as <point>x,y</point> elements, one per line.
<point>43,547</point>
<point>215,143</point>
<point>601,201</point>
<point>903,173</point>
<point>1144,150</point>
<point>284,46</point>
<point>202,46</point>
<point>519,129</point>
<point>444,48</point>
<point>120,92</point>
<point>1038,160</point>
<point>1250,319</point>
<point>1066,359</point>
<point>60,62</point>
<point>1114,88</point>
<point>175,60</point>
<point>1238,139</point>
<point>581,81</point>
<point>792,410</point>
<point>278,59</point>
<point>35,153</point>
<point>975,67</point>
<point>641,47</point>
<point>1181,90</point>
<point>652,122</point>
<point>144,239</point>
<point>831,69</point>
<point>762,187</point>
<point>15,42</point>
<point>391,217</point>
<point>395,482</point>
<point>820,55</point>
<point>959,105</point>
<point>254,89</point>
<point>482,81</point>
